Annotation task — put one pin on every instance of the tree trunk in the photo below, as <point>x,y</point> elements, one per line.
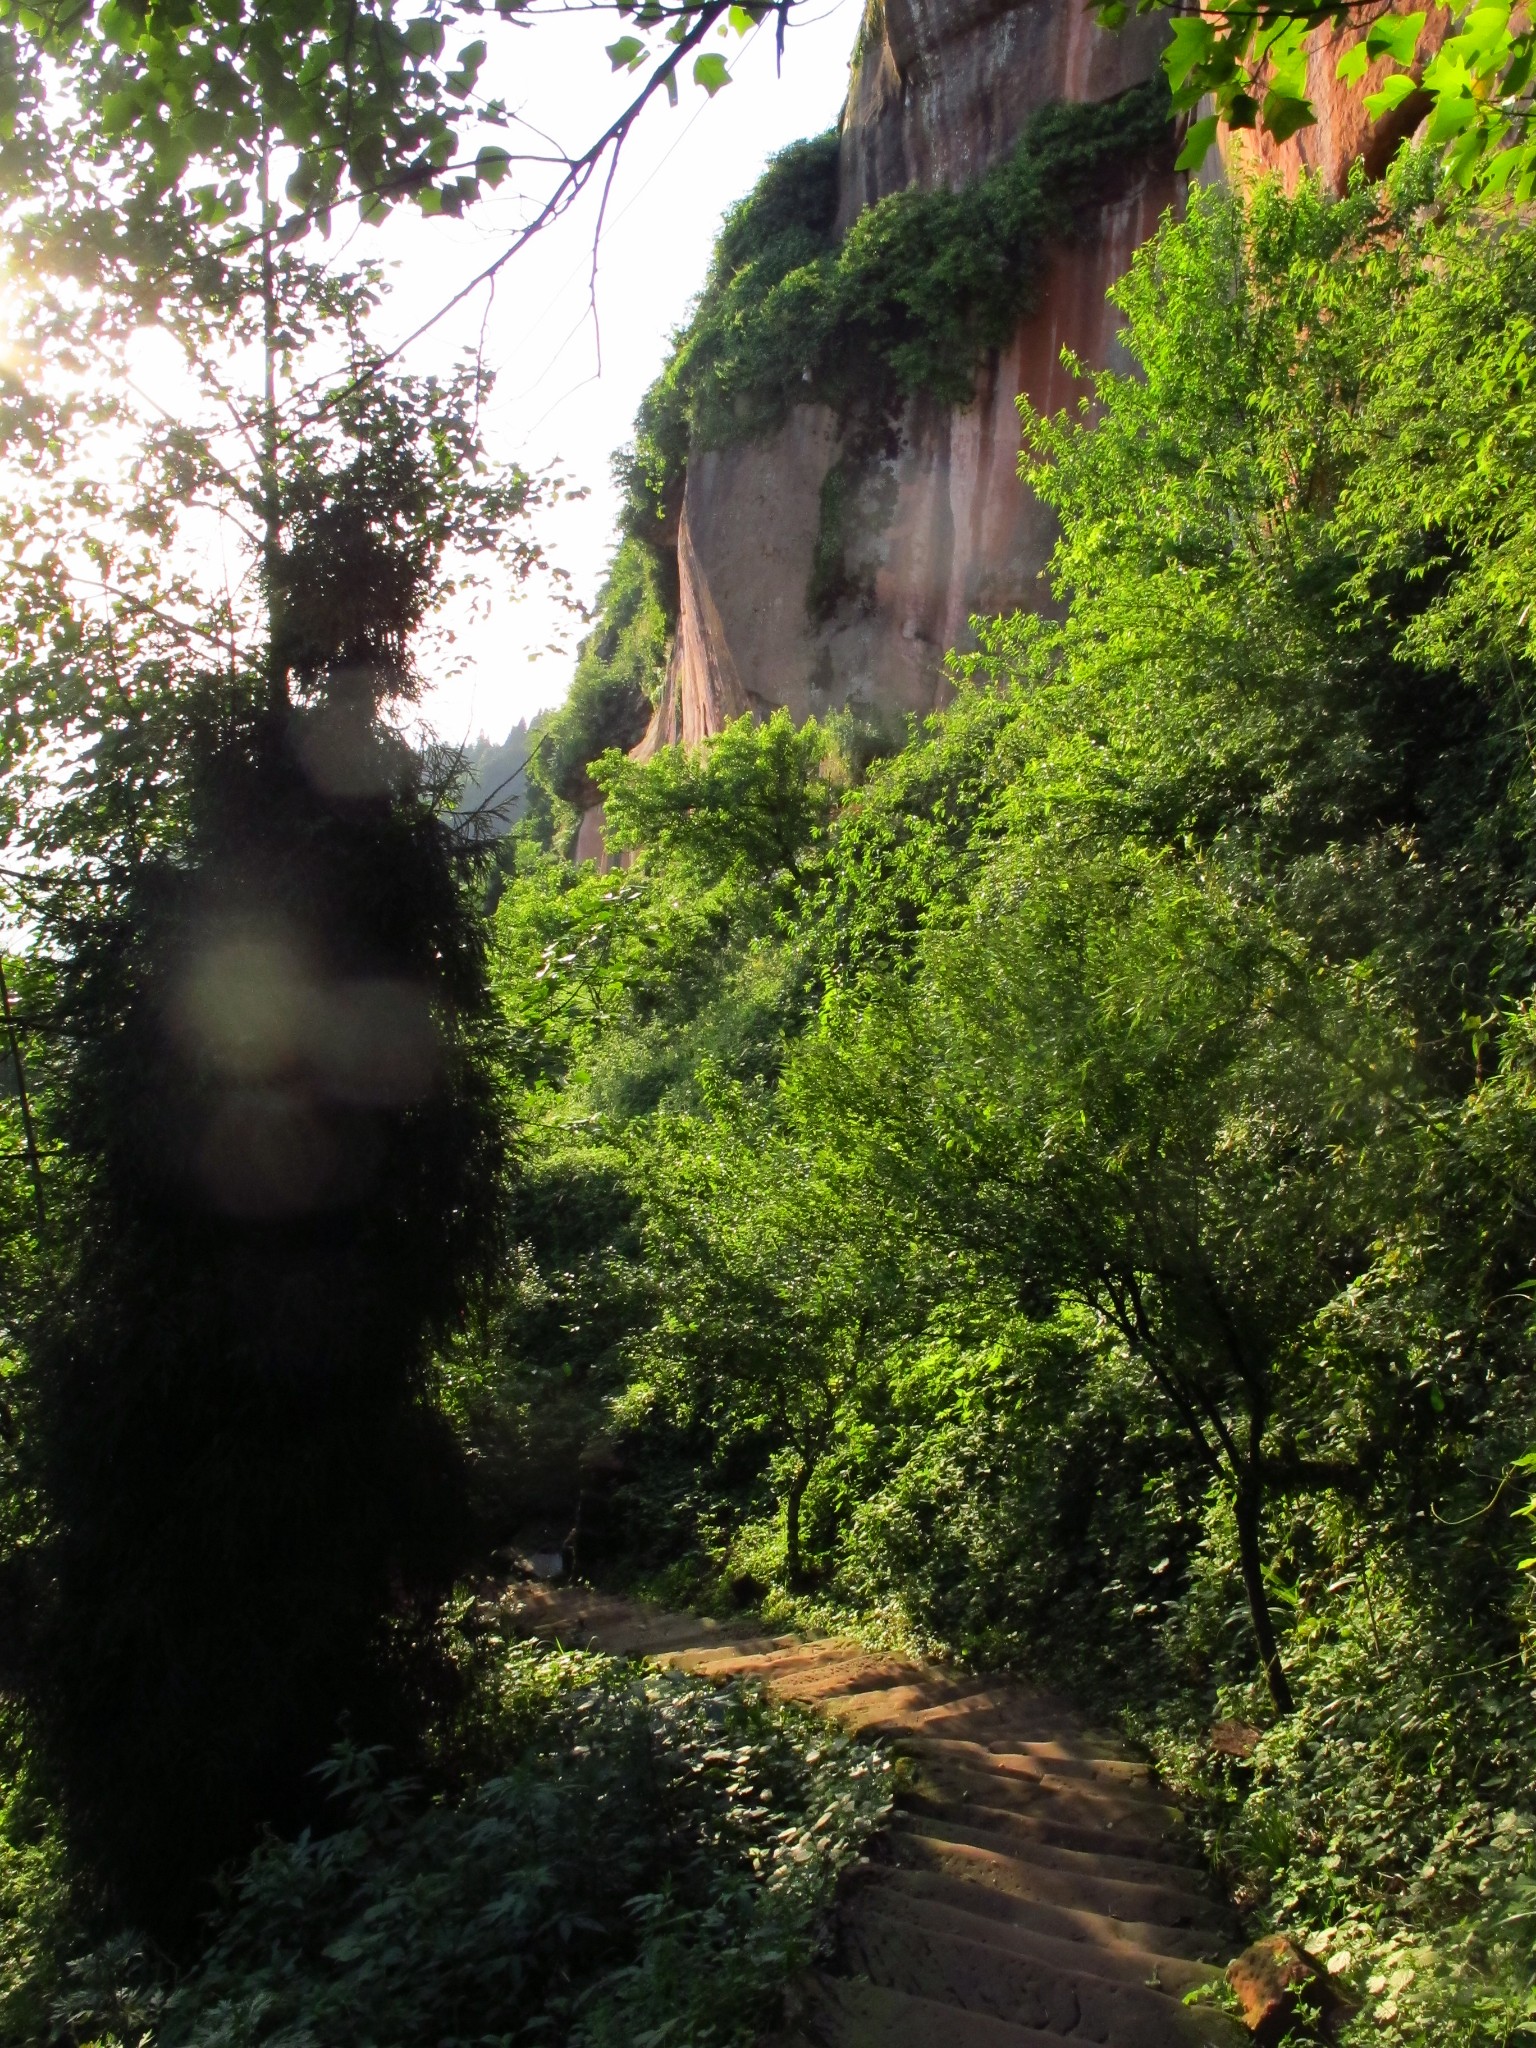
<point>1247,1504</point>
<point>793,1569</point>
<point>24,1101</point>
<point>271,490</point>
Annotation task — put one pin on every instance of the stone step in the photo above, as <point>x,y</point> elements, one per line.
<point>924,1701</point>
<point>788,1655</point>
<point>852,1680</point>
<point>1077,1942</point>
<point>872,1710</point>
<point>1070,1800</point>
<point>1031,1759</point>
<point>915,1707</point>
<point>1042,1826</point>
<point>721,1649</point>
<point>850,2012</point>
<point>1139,1945</point>
<point>976,1717</point>
<point>830,1688</point>
<point>1128,1801</point>
<point>1095,1862</point>
<point>653,1639</point>
<point>926,1846</point>
<point>989,1977</point>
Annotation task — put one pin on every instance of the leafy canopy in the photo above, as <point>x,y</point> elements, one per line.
<point>371,103</point>
<point>1253,60</point>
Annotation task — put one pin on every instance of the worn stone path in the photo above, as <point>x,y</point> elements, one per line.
<point>1033,1886</point>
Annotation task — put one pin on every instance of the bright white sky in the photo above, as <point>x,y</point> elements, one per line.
<point>553,403</point>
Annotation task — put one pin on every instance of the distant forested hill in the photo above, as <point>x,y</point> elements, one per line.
<point>497,780</point>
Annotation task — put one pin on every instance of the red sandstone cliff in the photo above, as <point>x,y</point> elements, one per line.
<point>938,526</point>
<point>1344,133</point>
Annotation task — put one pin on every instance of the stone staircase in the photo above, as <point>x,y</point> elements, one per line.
<point>1033,1887</point>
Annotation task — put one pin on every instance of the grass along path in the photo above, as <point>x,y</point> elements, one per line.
<point>1033,1887</point>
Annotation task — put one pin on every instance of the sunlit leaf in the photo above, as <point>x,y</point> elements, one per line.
<point>1395,36</point>
<point>1394,90</point>
<point>1450,117</point>
<point>1190,42</point>
<point>1197,144</point>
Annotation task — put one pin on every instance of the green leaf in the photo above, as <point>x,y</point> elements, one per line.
<point>1481,33</point>
<point>1465,155</point>
<point>1394,91</point>
<point>1510,167</point>
<point>742,20</point>
<point>491,164</point>
<point>1189,46</point>
<point>1395,36</point>
<point>710,72</point>
<point>1284,47</point>
<point>424,37</point>
<point>1452,114</point>
<point>1283,114</point>
<point>1353,65</point>
<point>119,111</point>
<point>627,54</point>
<point>1197,144</point>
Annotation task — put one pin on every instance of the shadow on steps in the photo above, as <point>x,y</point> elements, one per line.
<point>1034,1886</point>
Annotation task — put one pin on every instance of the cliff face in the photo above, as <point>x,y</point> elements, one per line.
<point>926,523</point>
<point>942,88</point>
<point>1344,133</point>
<point>826,566</point>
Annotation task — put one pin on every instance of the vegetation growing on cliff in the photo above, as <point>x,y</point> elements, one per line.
<point>619,675</point>
<point>908,299</point>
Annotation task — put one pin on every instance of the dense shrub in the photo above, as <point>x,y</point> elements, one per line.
<point>645,1858</point>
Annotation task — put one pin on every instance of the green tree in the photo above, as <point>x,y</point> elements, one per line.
<point>1118,1086</point>
<point>776,1278</point>
<point>270,1108</point>
<point>746,807</point>
<point>184,106</point>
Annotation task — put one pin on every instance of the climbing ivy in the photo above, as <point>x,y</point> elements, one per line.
<point>907,300</point>
<point>919,287</point>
